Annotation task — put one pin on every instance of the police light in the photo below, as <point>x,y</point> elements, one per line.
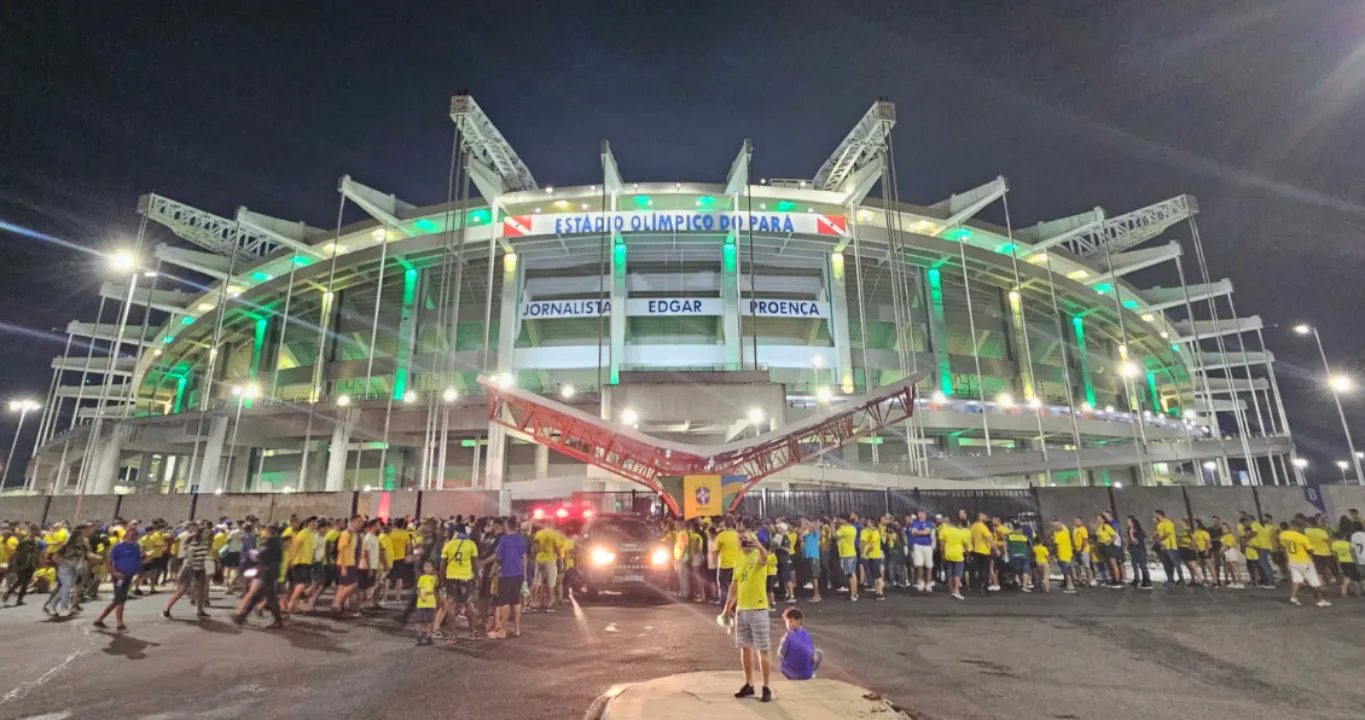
<point>588,513</point>
<point>538,513</point>
<point>561,513</point>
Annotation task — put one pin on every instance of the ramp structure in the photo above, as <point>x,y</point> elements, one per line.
<point>644,458</point>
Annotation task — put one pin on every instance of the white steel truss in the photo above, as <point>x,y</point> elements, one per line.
<point>481,139</point>
<point>1134,228</point>
<point>863,143</point>
<point>208,231</point>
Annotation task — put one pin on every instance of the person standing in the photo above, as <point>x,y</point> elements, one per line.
<point>747,598</point>
<point>458,556</point>
<point>1170,551</point>
<point>810,553</point>
<point>264,589</point>
<point>1301,569</point>
<point>1137,548</point>
<point>727,552</point>
<point>511,556</point>
<point>73,552</point>
<point>983,544</point>
<point>682,559</point>
<point>125,561</point>
<point>872,556</point>
<point>1061,540</point>
<point>23,562</point>
<point>922,551</point>
<point>1080,544</point>
<point>846,536</point>
<point>955,541</point>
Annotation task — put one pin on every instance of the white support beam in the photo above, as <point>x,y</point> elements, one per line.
<point>1162,298</point>
<point>1134,228</point>
<point>861,182</point>
<point>116,391</point>
<point>387,209</point>
<point>98,365</point>
<point>486,181</point>
<point>1046,234</point>
<point>291,234</point>
<point>611,172</point>
<point>864,142</point>
<point>107,331</point>
<point>1223,361</point>
<point>1204,405</point>
<point>1226,386</point>
<point>208,231</point>
<point>211,264</point>
<point>1134,260</point>
<point>171,301</point>
<point>1208,329</point>
<point>485,143</point>
<point>959,209</point>
<point>736,179</point>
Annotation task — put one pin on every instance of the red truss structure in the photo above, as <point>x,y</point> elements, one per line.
<point>644,459</point>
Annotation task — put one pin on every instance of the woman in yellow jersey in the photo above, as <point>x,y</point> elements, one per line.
<point>1295,546</point>
<point>1202,542</point>
<point>1342,552</point>
<point>1232,556</point>
<point>1080,544</point>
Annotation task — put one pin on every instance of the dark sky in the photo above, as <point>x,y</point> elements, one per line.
<point>1253,107</point>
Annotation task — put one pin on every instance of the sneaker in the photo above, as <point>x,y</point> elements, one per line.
<point>881,597</point>
<point>853,598</point>
<point>1324,603</point>
<point>790,601</point>
<point>100,624</point>
<point>1026,589</point>
<point>919,586</point>
<point>767,695</point>
<point>958,596</point>
<point>746,691</point>
<point>1294,601</point>
<point>1264,586</point>
<point>994,588</point>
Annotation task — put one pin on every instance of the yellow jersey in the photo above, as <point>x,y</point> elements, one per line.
<point>872,543</point>
<point>1062,539</point>
<point>727,549</point>
<point>1296,546</point>
<point>1165,534</point>
<point>1202,540</point>
<point>1342,550</point>
<point>1040,555</point>
<point>301,548</point>
<point>751,576</point>
<point>459,555</point>
<point>846,537</point>
<point>1106,534</point>
<point>955,541</point>
<point>426,591</point>
<point>1318,541</point>
<point>1263,535</point>
<point>400,544</point>
<point>1080,539</point>
<point>981,538</point>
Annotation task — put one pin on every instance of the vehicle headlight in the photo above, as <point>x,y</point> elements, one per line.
<point>603,556</point>
<point>659,557</point>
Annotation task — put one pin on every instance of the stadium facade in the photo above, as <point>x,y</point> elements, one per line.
<point>263,354</point>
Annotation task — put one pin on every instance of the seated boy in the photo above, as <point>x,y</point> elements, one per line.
<point>797,654</point>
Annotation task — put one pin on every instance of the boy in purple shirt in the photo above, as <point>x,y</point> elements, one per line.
<point>798,657</point>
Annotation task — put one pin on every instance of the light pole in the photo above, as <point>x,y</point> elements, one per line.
<point>23,407</point>
<point>1338,384</point>
<point>250,391</point>
<point>1342,465</point>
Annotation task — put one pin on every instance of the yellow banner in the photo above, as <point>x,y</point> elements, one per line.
<point>701,496</point>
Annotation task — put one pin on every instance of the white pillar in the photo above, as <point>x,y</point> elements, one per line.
<point>496,464</point>
<point>107,461</point>
<point>237,472</point>
<point>509,327</point>
<point>730,327</point>
<point>836,285</point>
<point>209,476</point>
<point>542,461</point>
<point>145,481</point>
<point>170,468</point>
<point>341,438</point>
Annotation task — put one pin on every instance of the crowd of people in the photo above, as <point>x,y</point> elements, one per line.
<point>483,573</point>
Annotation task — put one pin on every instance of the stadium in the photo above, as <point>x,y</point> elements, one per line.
<point>259,354</point>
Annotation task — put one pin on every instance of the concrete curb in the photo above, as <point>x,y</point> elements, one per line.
<point>710,695</point>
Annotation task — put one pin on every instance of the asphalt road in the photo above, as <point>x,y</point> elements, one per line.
<point>1190,653</point>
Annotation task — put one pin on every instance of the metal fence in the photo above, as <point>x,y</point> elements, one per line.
<point>814,503</point>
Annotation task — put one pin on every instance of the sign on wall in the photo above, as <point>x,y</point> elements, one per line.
<point>673,307</point>
<point>674,221</point>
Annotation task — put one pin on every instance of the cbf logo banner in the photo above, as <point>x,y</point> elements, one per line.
<point>702,496</point>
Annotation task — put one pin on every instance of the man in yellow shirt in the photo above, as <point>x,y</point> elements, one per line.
<point>1080,544</point>
<point>1264,541</point>
<point>748,597</point>
<point>1061,540</point>
<point>954,542</point>
<point>1320,547</point>
<point>348,561</point>
<point>871,540</point>
<point>300,561</point>
<point>1296,553</point>
<point>153,546</point>
<point>458,557</point>
<point>545,542</point>
<point>1202,543</point>
<point>846,538</point>
<point>983,548</point>
<point>399,547</point>
<point>1169,549</point>
<point>727,553</point>
<point>682,566</point>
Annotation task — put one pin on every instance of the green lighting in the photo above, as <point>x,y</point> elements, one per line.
<point>302,261</point>
<point>406,328</point>
<point>259,276</point>
<point>179,392</point>
<point>187,320</point>
<point>643,200</point>
<point>168,339</point>
<point>785,205</point>
<point>728,257</point>
<point>1103,288</point>
<point>706,202</point>
<point>1130,304</point>
<point>467,442</point>
<point>1175,347</point>
<point>1151,386</point>
<point>257,350</point>
<point>425,225</point>
<point>1084,355</point>
<point>1005,249</point>
<point>945,369</point>
<point>959,234</point>
<point>478,217</point>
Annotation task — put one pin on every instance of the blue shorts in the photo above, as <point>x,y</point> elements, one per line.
<point>849,565</point>
<point>955,568</point>
<point>1065,565</point>
<point>1021,565</point>
<point>872,567</point>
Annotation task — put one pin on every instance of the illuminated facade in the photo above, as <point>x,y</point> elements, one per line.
<point>346,357</point>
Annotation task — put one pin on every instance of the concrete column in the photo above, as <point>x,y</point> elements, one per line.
<point>474,469</point>
<point>729,293</point>
<point>496,466</point>
<point>167,473</point>
<point>145,479</point>
<point>336,459</point>
<point>210,478</point>
<point>618,308</point>
<point>542,462</point>
<point>107,461</point>
<point>836,286</point>
<point>239,469</point>
<point>509,327</point>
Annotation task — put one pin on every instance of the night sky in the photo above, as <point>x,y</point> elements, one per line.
<point>1253,107</point>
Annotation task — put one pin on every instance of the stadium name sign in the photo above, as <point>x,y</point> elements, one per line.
<point>674,221</point>
<point>672,307</point>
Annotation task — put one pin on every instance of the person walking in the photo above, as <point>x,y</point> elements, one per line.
<point>1137,549</point>
<point>125,561</point>
<point>23,562</point>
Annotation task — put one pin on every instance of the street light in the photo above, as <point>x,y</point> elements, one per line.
<point>1342,465</point>
<point>1300,463</point>
<point>23,407</point>
<point>1129,370</point>
<point>630,417</point>
<point>343,400</point>
<point>1004,400</point>
<point>823,395</point>
<point>123,261</point>
<point>410,397</point>
<point>449,395</point>
<point>755,415</point>
<point>1339,384</point>
<point>566,392</point>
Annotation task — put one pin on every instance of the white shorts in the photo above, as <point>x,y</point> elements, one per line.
<point>1304,574</point>
<point>1233,555</point>
<point>546,573</point>
<point>922,556</point>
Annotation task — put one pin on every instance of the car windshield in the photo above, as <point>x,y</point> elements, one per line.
<point>620,529</point>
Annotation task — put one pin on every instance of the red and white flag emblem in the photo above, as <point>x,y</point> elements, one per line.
<point>832,225</point>
<point>516,225</point>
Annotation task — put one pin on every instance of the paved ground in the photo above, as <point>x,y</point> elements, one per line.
<point>1100,654</point>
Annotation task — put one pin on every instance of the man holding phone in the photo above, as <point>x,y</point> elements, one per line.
<point>748,596</point>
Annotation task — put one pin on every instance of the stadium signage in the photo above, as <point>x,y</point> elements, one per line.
<point>672,307</point>
<point>674,221</point>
